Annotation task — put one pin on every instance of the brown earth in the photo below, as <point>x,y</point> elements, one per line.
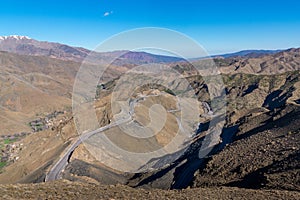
<point>278,63</point>
<point>32,87</point>
<point>70,190</point>
<point>263,155</point>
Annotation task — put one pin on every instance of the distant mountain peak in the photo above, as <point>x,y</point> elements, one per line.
<point>249,53</point>
<point>15,37</point>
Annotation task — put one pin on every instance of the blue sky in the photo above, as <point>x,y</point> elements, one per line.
<point>219,26</point>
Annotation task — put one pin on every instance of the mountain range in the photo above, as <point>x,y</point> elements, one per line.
<point>27,46</point>
<point>257,149</point>
<point>249,53</point>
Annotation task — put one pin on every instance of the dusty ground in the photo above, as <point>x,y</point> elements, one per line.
<point>71,190</point>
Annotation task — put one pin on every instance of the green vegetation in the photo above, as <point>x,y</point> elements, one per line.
<point>2,164</point>
<point>9,141</point>
<point>170,92</point>
<point>3,145</point>
<point>241,79</point>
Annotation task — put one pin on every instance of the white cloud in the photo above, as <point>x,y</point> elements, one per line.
<point>107,13</point>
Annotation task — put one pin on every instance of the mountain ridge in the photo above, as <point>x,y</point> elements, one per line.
<point>250,53</point>
<point>26,46</point>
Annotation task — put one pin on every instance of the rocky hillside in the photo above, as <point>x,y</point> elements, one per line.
<point>32,87</point>
<point>277,63</point>
<point>258,149</point>
<point>264,154</point>
<point>261,131</point>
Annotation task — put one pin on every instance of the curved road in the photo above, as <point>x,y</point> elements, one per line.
<point>60,165</point>
<point>56,170</point>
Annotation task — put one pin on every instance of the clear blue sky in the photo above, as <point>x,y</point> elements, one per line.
<point>220,26</point>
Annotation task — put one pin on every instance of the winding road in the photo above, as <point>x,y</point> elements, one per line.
<point>55,171</point>
<point>60,165</point>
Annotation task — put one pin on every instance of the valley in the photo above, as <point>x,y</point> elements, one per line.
<point>256,152</point>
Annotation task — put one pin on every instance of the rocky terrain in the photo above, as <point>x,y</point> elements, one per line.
<point>70,190</point>
<point>269,64</point>
<point>257,154</point>
<point>265,156</point>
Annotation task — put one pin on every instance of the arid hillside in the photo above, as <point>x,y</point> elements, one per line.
<point>281,62</point>
<point>257,153</point>
<point>32,87</point>
<point>71,190</point>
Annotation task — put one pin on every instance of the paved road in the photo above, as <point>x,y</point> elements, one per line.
<point>56,170</point>
<point>60,165</point>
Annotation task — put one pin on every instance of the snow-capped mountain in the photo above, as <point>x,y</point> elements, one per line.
<point>26,46</point>
<point>14,37</point>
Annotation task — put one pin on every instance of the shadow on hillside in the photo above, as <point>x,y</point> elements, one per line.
<point>286,120</point>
